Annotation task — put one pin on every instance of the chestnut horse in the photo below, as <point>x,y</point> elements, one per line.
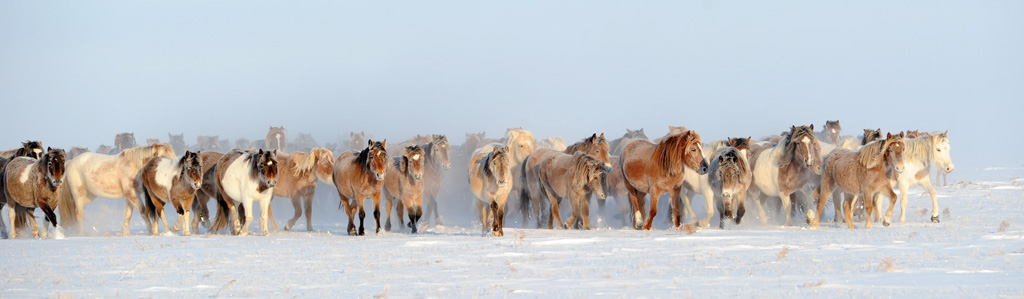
<point>787,167</point>
<point>29,183</point>
<point>490,179</point>
<point>92,175</point>
<point>358,176</point>
<point>404,184</point>
<point>244,177</point>
<point>297,180</point>
<point>164,181</point>
<point>863,173</point>
<point>650,168</point>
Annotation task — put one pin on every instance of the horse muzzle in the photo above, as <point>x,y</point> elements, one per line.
<point>607,168</point>
<point>196,185</point>
<point>54,184</point>
<point>447,166</point>
<point>948,169</point>
<point>379,176</point>
<point>272,183</point>
<point>417,177</point>
<point>727,195</point>
<point>502,184</point>
<point>703,169</point>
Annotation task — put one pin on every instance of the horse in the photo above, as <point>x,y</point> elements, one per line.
<point>729,175</point>
<point>786,167</point>
<point>152,141</point>
<point>520,143</point>
<point>208,190</point>
<point>164,181</point>
<point>913,134</point>
<point>862,172</point>
<point>30,183</point>
<point>92,175</point>
<point>208,143</point>
<point>276,139</point>
<point>920,155</point>
<point>244,177</point>
<point>298,177</point>
<point>104,149</point>
<point>555,143</point>
<point>123,141</point>
<point>616,146</point>
<point>356,140</point>
<point>575,177</point>
<point>304,142</point>
<point>177,142</point>
<point>75,151</point>
<point>694,183</point>
<point>615,186</point>
<point>530,177</point>
<point>830,133</point>
<point>358,176</point>
<point>33,149</point>
<point>490,180</point>
<point>654,168</point>
<point>403,184</point>
<point>438,160</point>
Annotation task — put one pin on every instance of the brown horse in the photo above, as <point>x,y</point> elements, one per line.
<point>490,179</point>
<point>32,149</point>
<point>164,181</point>
<point>277,139</point>
<point>177,142</point>
<point>358,176</point>
<point>437,161</point>
<point>650,168</point>
<point>830,133</point>
<point>404,184</point>
<point>574,177</point>
<point>123,141</point>
<point>530,177</point>
<point>788,166</point>
<point>30,183</point>
<point>864,174</point>
<point>729,176</point>
<point>208,190</point>
<point>244,177</point>
<point>297,180</point>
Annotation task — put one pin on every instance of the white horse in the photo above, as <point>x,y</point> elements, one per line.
<point>244,177</point>
<point>92,175</point>
<point>919,156</point>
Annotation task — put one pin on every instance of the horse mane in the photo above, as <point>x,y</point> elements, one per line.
<point>667,154</point>
<point>920,148</point>
<point>582,165</point>
<point>142,154</point>
<point>303,162</point>
<point>871,154</point>
<point>494,155</point>
<point>732,165</point>
<point>589,141</point>
<point>789,141</point>
<point>363,158</point>
<point>428,148</point>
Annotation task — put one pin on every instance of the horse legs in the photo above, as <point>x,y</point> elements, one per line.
<point>400,209</point>
<point>14,227</point>
<point>3,225</point>
<point>935,201</point>
<point>265,217</point>
<point>848,209</point>
<point>499,218</point>
<point>127,218</point>
<point>376,211</point>
<point>759,201</point>
<point>387,208</point>
<point>709,198</point>
<point>869,205</point>
<point>824,190</point>
<point>555,215</point>
<point>636,198</point>
<point>413,217</point>
<point>131,202</point>
<point>51,219</point>
<point>741,209</point>
<point>297,205</point>
<point>585,211</point>
<point>654,208</point>
<point>307,202</point>
<point>892,204</point>
<point>786,202</point>
<point>247,208</point>
<point>720,203</point>
<point>483,215</point>
<point>677,198</point>
<point>362,216</point>
<point>35,226</point>
<point>350,211</point>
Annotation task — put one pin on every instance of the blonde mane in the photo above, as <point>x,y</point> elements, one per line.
<point>141,154</point>
<point>919,149</point>
<point>872,153</point>
<point>303,162</point>
<point>669,154</point>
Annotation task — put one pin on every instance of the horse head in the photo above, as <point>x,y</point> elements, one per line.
<point>940,151</point>
<point>54,159</point>
<point>499,167</point>
<point>412,163</point>
<point>376,158</point>
<point>192,169</point>
<point>893,148</point>
<point>439,152</point>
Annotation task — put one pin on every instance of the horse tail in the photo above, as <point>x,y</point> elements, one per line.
<point>68,206</point>
<point>147,208</point>
<point>524,191</point>
<point>221,221</point>
<point>20,220</point>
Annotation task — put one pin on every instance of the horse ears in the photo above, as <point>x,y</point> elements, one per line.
<point>496,149</point>
<point>901,135</point>
<point>792,128</point>
<point>384,143</point>
<point>593,138</point>
<point>602,136</point>
<point>888,135</point>
<point>812,127</point>
<point>369,142</point>
<point>49,149</point>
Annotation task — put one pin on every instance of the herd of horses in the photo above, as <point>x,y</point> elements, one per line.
<point>801,168</point>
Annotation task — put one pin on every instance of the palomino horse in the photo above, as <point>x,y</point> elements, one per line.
<point>177,142</point>
<point>650,168</point>
<point>297,180</point>
<point>437,161</point>
<point>729,176</point>
<point>920,155</point>
<point>358,176</point>
<point>530,174</point>
<point>93,175</point>
<point>786,167</point>
<point>244,177</point>
<point>574,177</point>
<point>164,181</point>
<point>864,173</point>
<point>30,183</point>
<point>32,149</point>
<point>124,141</point>
<point>616,146</point>
<point>276,139</point>
<point>490,176</point>
<point>830,133</point>
<point>208,190</point>
<point>404,184</point>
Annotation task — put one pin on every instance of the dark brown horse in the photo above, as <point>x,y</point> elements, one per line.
<point>403,185</point>
<point>277,139</point>
<point>30,183</point>
<point>437,161</point>
<point>358,176</point>
<point>164,181</point>
<point>870,135</point>
<point>650,168</point>
<point>33,149</point>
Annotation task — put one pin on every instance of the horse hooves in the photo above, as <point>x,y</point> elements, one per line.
<point>885,223</point>
<point>935,219</point>
<point>387,227</point>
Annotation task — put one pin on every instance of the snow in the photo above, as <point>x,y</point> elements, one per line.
<point>976,251</point>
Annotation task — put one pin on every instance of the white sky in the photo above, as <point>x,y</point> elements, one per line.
<point>76,73</point>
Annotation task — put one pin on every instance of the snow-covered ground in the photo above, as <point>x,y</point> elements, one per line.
<point>977,251</point>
